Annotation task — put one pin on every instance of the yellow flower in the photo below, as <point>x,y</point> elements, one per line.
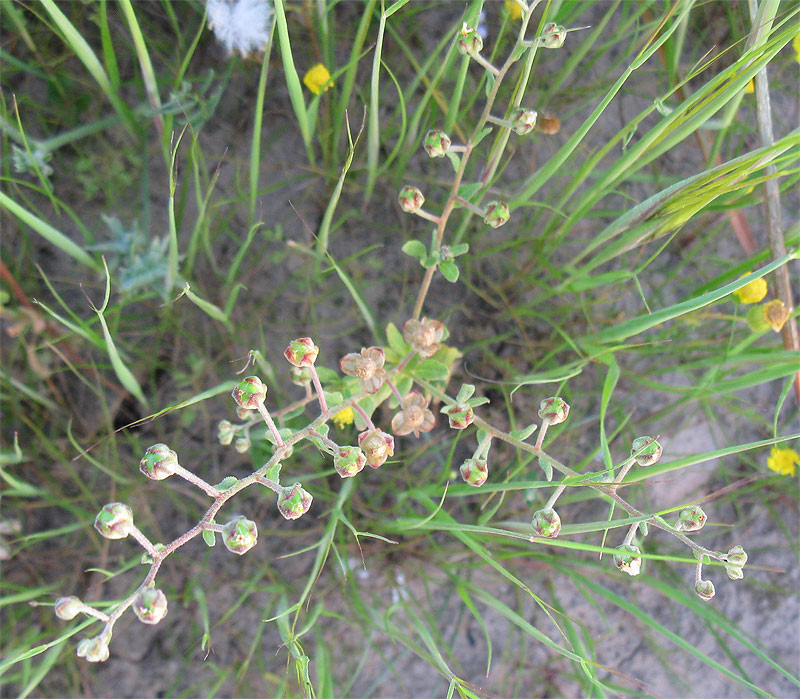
<point>752,292</point>
<point>796,47</point>
<point>343,417</point>
<point>514,9</point>
<point>750,88</point>
<point>783,461</point>
<point>318,79</point>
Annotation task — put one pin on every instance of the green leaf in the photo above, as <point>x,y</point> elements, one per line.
<point>546,467</point>
<point>454,159</point>
<point>429,262</point>
<point>274,473</point>
<point>459,249</point>
<point>431,370</point>
<point>465,393</point>
<point>209,537</point>
<point>449,271</point>
<point>415,248</point>
<point>524,433</point>
<point>467,191</point>
<point>227,483</point>
<point>395,339</point>
<point>483,134</point>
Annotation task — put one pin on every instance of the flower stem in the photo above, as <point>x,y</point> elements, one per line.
<point>270,424</point>
<point>318,387</point>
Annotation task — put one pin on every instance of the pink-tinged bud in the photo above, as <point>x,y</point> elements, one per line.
<point>553,36</point>
<point>150,605</point>
<point>301,376</point>
<point>436,143</point>
<point>460,415</point>
<point>225,432</point>
<point>546,523</point>
<point>377,446</point>
<point>650,451</point>
<point>691,519</point>
<point>242,444</point>
<point>628,559</point>
<point>554,410</point>
<point>469,41</point>
<point>523,121</point>
<point>244,414</point>
<point>301,352</point>
<point>424,336</point>
<point>114,521</point>
<point>250,393</point>
<point>293,502</point>
<point>474,472</point>
<point>704,589</point>
<point>496,214</point>
<point>67,608</point>
<point>239,535</point>
<point>411,199</point>
<point>95,650</point>
<point>159,462</point>
<point>348,461</point>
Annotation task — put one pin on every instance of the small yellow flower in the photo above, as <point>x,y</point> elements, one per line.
<point>514,9</point>
<point>775,314</point>
<point>796,47</point>
<point>752,292</point>
<point>750,88</point>
<point>343,418</point>
<point>783,461</point>
<point>318,79</point>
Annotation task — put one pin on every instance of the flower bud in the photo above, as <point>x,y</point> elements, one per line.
<point>225,432</point>
<point>756,320</point>
<point>474,471</point>
<point>554,410</point>
<point>704,589</point>
<point>95,650</point>
<point>241,444</point>
<point>250,393</point>
<point>628,559</point>
<point>736,556</point>
<point>460,415</point>
<point>293,502</point>
<point>469,41</point>
<point>377,446</point>
<point>301,352</point>
<point>734,572</point>
<point>496,214</point>
<point>67,608</point>
<point>159,462</point>
<point>436,143</point>
<point>411,199</point>
<point>244,414</point>
<point>150,605</point>
<point>546,523</point>
<point>348,461</point>
<point>114,521</point>
<point>691,519</point>
<point>523,121</point>
<point>239,535</point>
<point>301,376</point>
<point>553,36</point>
<point>650,451</point>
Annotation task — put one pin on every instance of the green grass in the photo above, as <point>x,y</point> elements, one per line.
<point>265,212</point>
